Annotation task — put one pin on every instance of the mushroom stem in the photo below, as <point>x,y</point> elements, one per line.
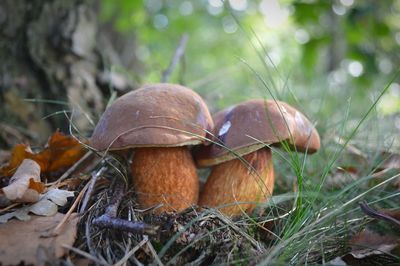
<point>235,181</point>
<point>165,175</point>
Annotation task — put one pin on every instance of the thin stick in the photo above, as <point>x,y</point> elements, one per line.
<point>85,254</point>
<point>138,263</point>
<point>180,51</point>
<point>10,207</point>
<point>68,214</point>
<point>153,252</point>
<point>376,214</point>
<point>88,238</point>
<point>119,190</point>
<point>92,182</point>
<point>71,169</point>
<point>130,253</point>
<point>105,221</point>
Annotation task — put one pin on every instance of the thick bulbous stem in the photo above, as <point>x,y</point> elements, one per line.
<point>165,175</point>
<point>240,185</point>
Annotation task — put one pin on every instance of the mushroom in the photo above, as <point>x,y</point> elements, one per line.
<point>242,167</point>
<point>159,122</point>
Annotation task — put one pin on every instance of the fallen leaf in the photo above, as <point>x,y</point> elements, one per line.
<point>341,177</point>
<point>46,206</point>
<point>351,157</point>
<point>25,185</point>
<point>387,160</point>
<point>18,154</point>
<point>367,243</point>
<point>58,196</point>
<point>60,152</point>
<point>20,214</point>
<point>15,249</point>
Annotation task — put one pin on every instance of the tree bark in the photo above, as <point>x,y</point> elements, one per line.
<point>49,54</point>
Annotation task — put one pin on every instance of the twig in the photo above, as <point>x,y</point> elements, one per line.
<point>68,214</point>
<point>71,169</point>
<point>95,175</point>
<point>378,215</point>
<point>10,207</point>
<point>154,253</point>
<point>85,254</point>
<point>138,263</point>
<point>155,207</point>
<point>119,190</point>
<point>106,221</point>
<point>109,218</point>
<point>130,253</point>
<point>180,51</point>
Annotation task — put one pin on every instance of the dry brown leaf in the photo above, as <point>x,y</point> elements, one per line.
<point>18,154</point>
<point>25,185</point>
<point>341,177</point>
<point>61,152</point>
<point>387,160</point>
<point>21,240</point>
<point>368,243</point>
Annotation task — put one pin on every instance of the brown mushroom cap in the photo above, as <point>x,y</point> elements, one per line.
<point>248,126</point>
<point>156,115</point>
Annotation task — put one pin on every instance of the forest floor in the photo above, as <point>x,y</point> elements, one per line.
<point>352,217</point>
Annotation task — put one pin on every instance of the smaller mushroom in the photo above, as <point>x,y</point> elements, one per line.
<point>242,170</point>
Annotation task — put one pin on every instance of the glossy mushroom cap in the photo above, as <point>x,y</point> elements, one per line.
<point>249,126</point>
<point>156,115</point>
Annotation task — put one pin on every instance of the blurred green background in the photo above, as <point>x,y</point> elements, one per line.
<point>327,58</point>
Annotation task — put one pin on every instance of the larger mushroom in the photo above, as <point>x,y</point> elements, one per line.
<point>242,170</point>
<point>159,122</point>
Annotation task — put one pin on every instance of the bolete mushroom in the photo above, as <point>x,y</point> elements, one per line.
<point>243,131</point>
<point>159,122</point>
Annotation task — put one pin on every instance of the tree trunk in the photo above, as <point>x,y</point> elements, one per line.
<point>50,56</point>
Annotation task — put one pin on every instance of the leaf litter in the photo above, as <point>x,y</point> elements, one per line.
<point>354,163</point>
<point>368,243</point>
<point>22,240</point>
<point>46,206</point>
<point>25,185</point>
<point>61,152</point>
<point>26,239</point>
<point>188,237</point>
